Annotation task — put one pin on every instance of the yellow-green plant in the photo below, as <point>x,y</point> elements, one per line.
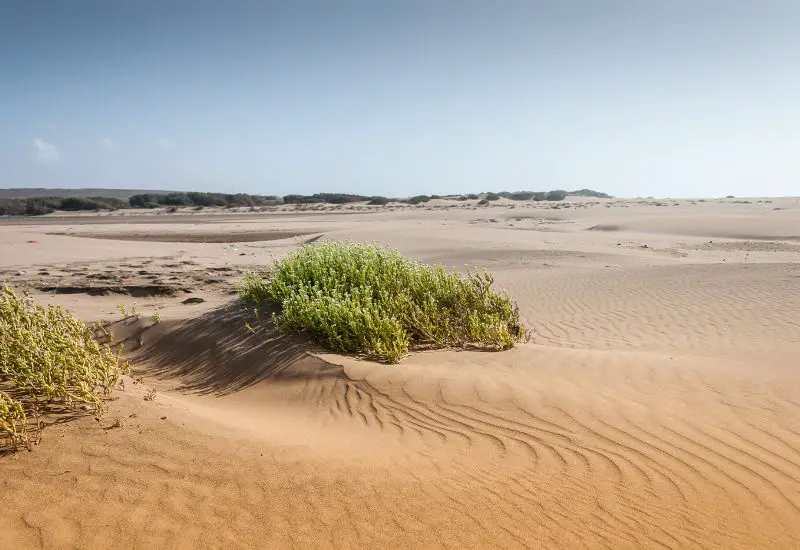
<point>364,298</point>
<point>48,355</point>
<point>156,317</point>
<point>13,421</point>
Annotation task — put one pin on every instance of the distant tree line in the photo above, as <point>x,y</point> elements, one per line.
<point>154,200</point>
<point>329,198</point>
<point>45,205</point>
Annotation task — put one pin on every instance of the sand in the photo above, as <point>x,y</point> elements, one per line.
<point>656,405</point>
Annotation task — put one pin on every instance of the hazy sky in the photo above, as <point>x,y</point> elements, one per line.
<point>637,97</point>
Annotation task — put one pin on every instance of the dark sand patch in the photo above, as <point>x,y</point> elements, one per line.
<point>190,237</point>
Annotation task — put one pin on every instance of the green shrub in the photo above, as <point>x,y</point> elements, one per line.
<point>378,201</point>
<point>590,193</point>
<point>557,195</point>
<point>47,356</point>
<point>521,196</point>
<point>492,197</point>
<point>419,199</point>
<point>90,203</point>
<point>367,299</point>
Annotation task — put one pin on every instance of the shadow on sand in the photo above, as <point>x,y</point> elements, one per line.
<point>217,354</point>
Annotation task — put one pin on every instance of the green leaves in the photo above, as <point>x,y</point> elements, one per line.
<point>48,355</point>
<point>364,298</point>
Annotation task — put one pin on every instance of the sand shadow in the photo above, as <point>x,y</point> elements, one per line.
<point>227,350</point>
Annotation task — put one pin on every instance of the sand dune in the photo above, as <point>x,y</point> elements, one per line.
<point>656,405</point>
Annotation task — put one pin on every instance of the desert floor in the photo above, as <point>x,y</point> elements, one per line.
<point>656,405</point>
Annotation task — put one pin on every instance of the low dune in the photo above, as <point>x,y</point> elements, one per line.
<point>656,404</point>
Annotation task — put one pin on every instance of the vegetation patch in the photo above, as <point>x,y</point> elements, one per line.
<point>48,358</point>
<point>371,300</point>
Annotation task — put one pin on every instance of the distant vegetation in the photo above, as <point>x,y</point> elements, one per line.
<point>148,200</point>
<point>35,192</point>
<point>36,204</point>
<point>590,193</point>
<point>45,205</point>
<point>419,199</point>
<point>330,198</point>
<point>363,298</point>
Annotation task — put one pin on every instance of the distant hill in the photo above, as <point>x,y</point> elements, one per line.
<point>32,193</point>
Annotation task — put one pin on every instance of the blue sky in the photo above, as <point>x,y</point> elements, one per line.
<point>681,98</point>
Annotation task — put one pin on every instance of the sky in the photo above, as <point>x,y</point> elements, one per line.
<point>635,98</point>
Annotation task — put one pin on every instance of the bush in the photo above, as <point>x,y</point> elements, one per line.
<point>330,198</point>
<point>47,356</point>
<point>521,196</point>
<point>590,193</point>
<point>90,203</point>
<point>362,298</point>
<point>557,195</point>
<point>378,201</point>
<point>539,196</point>
<point>28,207</point>
<point>419,199</point>
<point>492,197</point>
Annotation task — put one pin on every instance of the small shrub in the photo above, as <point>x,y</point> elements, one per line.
<point>557,195</point>
<point>378,201</point>
<point>492,197</point>
<point>47,356</point>
<point>590,193</point>
<point>419,199</point>
<point>362,298</point>
<point>521,196</point>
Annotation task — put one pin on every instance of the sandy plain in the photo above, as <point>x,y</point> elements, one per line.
<point>656,405</point>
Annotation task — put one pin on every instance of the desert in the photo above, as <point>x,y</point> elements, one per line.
<point>654,402</point>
